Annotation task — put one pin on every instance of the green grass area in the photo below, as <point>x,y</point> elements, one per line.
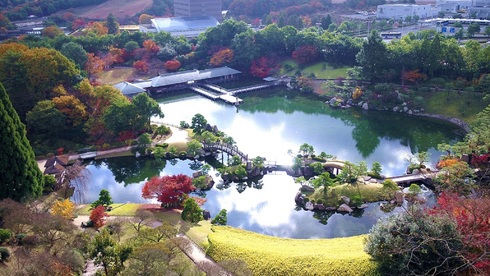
<point>266,255</point>
<point>369,192</point>
<point>118,209</point>
<point>322,70</point>
<point>462,105</point>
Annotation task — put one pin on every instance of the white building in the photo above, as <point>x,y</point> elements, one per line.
<point>198,8</point>
<point>401,11</point>
<point>177,26</point>
<point>452,6</point>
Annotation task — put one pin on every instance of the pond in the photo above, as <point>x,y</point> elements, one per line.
<point>269,123</point>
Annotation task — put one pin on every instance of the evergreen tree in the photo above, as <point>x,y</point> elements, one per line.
<point>111,24</point>
<point>20,177</point>
<point>372,57</point>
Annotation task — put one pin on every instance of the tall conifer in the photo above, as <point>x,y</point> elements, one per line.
<point>20,177</point>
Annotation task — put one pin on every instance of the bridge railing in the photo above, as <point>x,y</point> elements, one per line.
<point>230,149</point>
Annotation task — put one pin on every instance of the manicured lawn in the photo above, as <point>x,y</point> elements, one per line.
<point>118,209</point>
<point>322,70</point>
<point>266,255</point>
<point>116,75</point>
<point>464,106</point>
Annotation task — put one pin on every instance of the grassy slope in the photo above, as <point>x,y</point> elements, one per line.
<point>462,106</point>
<point>317,68</point>
<point>267,255</point>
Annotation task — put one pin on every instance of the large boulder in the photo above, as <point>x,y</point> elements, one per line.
<point>345,199</point>
<point>299,198</point>
<point>344,208</point>
<point>307,188</point>
<point>365,106</point>
<point>309,206</point>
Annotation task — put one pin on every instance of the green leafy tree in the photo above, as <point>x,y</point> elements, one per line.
<point>145,108</point>
<point>240,171</point>
<point>306,149</point>
<point>473,29</point>
<point>372,57</point>
<point>198,123</point>
<point>104,199</point>
<point>75,52</point>
<point>111,24</point>
<point>107,252</point>
<point>323,180</point>
<point>414,189</point>
<point>376,168</point>
<point>192,212</point>
<point>220,219</point>
<point>193,147</point>
<point>317,167</point>
<point>45,121</point>
<point>200,182</point>
<point>21,178</point>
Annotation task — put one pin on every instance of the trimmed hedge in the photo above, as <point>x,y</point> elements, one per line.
<point>266,255</point>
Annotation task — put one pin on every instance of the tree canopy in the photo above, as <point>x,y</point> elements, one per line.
<point>21,178</point>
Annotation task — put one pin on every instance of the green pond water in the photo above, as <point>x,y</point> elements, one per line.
<point>268,124</point>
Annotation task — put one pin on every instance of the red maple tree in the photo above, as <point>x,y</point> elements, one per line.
<point>472,217</point>
<point>170,190</point>
<point>263,66</point>
<point>305,54</point>
<point>98,216</point>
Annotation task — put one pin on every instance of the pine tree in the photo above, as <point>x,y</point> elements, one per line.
<point>20,177</point>
<point>111,24</point>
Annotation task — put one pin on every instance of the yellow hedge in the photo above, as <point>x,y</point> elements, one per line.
<point>266,255</point>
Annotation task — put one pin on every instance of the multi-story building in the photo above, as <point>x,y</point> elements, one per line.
<point>401,11</point>
<point>198,8</point>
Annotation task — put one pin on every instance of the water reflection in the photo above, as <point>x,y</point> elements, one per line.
<point>269,126</point>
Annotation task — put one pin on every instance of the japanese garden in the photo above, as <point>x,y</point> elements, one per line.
<point>278,142</point>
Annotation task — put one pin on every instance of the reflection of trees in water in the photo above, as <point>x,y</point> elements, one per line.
<point>417,133</point>
<point>242,186</point>
<point>133,170</point>
<point>77,176</point>
<point>323,216</point>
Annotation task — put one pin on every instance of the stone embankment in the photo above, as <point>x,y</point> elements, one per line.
<point>403,108</point>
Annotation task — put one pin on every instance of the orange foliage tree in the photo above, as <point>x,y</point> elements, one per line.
<point>413,76</point>
<point>172,65</point>
<point>94,65</point>
<point>145,18</point>
<point>222,57</point>
<point>141,66</point>
<point>96,27</point>
<point>98,216</point>
<point>151,47</point>
<point>73,108</point>
<point>51,31</point>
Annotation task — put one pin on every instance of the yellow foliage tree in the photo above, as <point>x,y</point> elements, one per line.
<point>357,93</point>
<point>63,208</point>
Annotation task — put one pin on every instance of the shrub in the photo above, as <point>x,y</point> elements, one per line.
<point>220,219</point>
<point>415,243</point>
<point>4,253</point>
<point>5,235</point>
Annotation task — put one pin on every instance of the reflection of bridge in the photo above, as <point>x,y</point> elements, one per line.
<point>230,149</point>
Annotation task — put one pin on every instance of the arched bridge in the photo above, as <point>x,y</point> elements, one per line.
<point>230,149</point>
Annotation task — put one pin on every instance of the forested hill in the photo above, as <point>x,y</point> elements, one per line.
<point>21,9</point>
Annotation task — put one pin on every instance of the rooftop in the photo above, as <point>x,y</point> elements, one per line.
<point>192,75</point>
<point>181,24</point>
